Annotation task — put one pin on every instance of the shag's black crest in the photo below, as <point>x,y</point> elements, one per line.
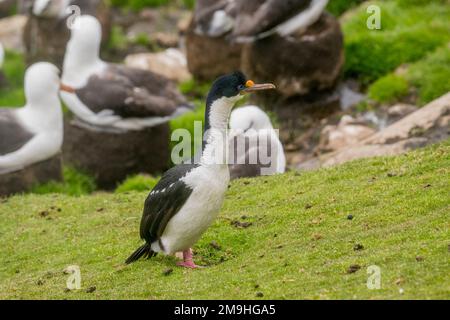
<point>226,86</point>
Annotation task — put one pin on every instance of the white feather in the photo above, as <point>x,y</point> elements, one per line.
<point>2,55</point>
<point>303,20</point>
<point>251,120</point>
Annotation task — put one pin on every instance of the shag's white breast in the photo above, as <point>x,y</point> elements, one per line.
<point>209,185</point>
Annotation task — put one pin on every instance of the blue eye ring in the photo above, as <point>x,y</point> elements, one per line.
<point>241,87</point>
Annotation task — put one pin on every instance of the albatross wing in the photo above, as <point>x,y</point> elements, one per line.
<point>13,135</point>
<point>131,93</point>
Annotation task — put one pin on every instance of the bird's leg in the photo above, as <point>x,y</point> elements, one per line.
<point>188,260</point>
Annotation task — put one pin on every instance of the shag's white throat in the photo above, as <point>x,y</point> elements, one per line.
<point>41,116</point>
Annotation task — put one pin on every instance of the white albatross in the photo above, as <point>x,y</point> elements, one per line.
<point>33,133</point>
<point>111,96</point>
<point>254,124</point>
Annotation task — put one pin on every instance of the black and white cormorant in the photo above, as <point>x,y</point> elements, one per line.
<point>188,197</point>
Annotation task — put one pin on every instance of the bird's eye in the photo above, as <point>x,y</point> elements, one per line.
<point>241,87</point>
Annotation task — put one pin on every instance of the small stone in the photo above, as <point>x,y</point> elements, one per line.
<point>353,268</point>
<point>317,236</point>
<point>419,259</point>
<point>44,214</point>
<point>391,174</point>
<point>40,282</point>
<point>259,294</point>
<point>308,206</point>
<point>358,247</point>
<point>91,289</point>
<point>215,245</point>
<point>350,217</point>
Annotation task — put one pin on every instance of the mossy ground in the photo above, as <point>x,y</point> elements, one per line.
<point>293,239</point>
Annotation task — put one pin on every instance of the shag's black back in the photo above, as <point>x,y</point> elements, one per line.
<point>165,200</point>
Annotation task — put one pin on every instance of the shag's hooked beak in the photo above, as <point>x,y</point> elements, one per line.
<point>252,87</point>
<point>66,88</point>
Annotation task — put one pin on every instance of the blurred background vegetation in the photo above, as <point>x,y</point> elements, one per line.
<point>409,58</point>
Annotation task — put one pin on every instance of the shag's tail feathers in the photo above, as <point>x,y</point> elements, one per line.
<point>145,252</point>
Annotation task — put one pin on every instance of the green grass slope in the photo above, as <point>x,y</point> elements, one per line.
<point>283,237</point>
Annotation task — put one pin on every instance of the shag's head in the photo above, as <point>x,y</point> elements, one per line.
<point>226,91</point>
<point>249,117</point>
<point>41,82</point>
<point>85,41</point>
<point>233,87</point>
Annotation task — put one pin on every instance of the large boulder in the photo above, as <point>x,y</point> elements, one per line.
<point>170,63</point>
<point>110,157</point>
<point>33,175</point>
<point>301,63</point>
<point>425,126</point>
<point>11,32</point>
<point>211,57</point>
<point>7,7</point>
<point>46,38</point>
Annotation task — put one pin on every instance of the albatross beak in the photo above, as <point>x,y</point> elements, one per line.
<point>66,88</point>
<point>252,87</point>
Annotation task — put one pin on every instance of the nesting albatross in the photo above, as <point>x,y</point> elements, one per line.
<point>2,58</point>
<point>250,20</point>
<point>33,133</point>
<point>263,153</point>
<point>113,96</point>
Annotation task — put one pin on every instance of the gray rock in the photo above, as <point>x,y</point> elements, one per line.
<point>208,57</point>
<point>110,157</point>
<point>425,126</point>
<point>299,64</point>
<point>7,7</point>
<point>36,174</point>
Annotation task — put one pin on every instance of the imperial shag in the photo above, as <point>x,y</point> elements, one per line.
<point>188,197</point>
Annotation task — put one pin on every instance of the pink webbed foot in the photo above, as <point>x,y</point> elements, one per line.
<point>188,260</point>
